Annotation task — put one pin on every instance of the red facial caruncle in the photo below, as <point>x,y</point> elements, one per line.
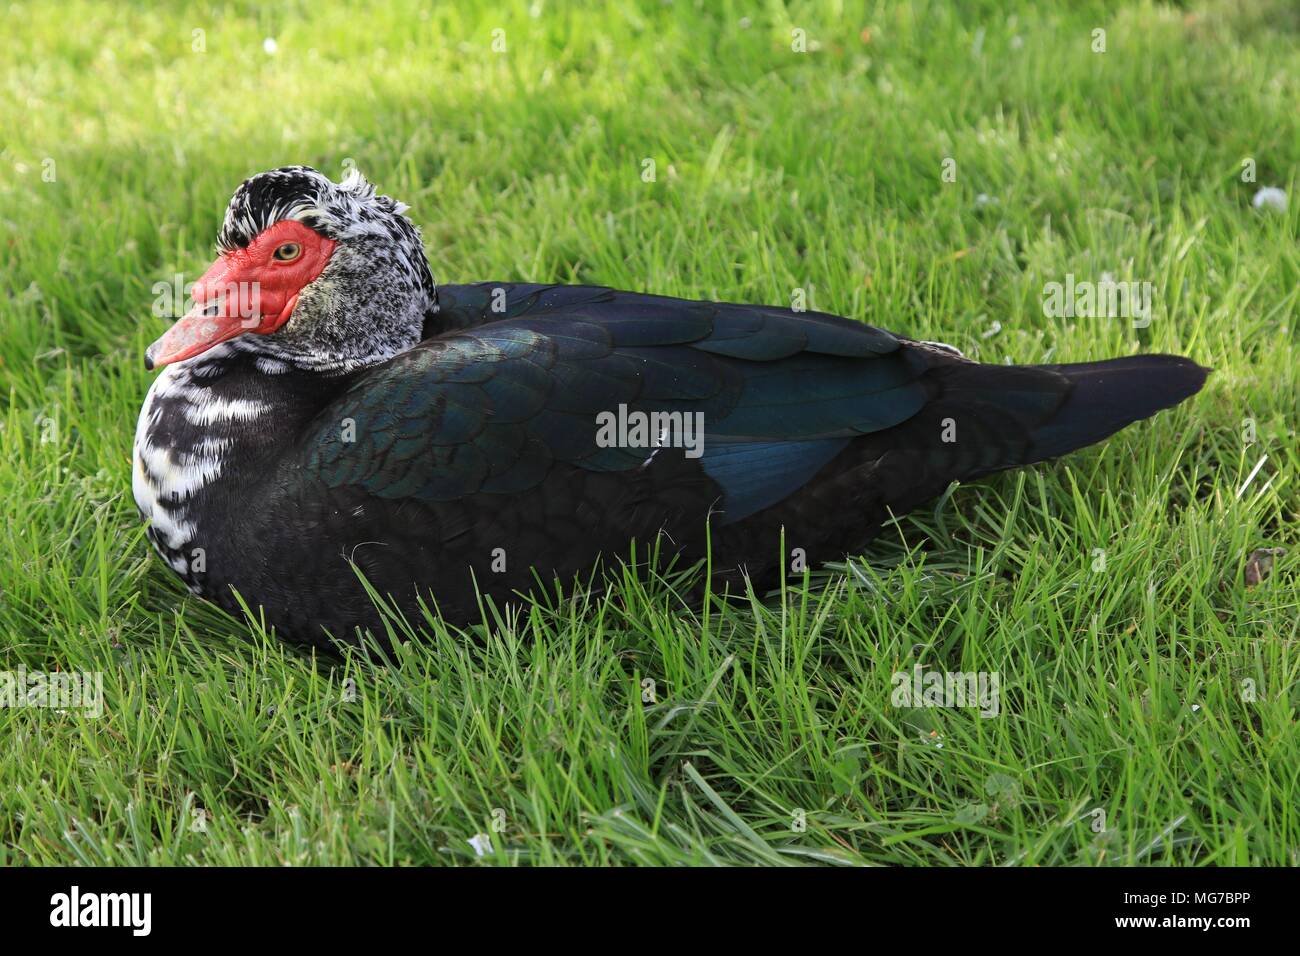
<point>253,289</point>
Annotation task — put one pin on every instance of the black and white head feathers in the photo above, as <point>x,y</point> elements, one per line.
<point>373,297</point>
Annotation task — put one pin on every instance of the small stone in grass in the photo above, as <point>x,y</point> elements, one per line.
<point>1260,564</point>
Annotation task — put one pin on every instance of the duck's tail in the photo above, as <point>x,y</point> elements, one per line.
<point>1106,396</point>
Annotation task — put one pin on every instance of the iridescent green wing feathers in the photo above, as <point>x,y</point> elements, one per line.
<point>524,382</point>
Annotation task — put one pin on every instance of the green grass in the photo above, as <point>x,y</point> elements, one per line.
<point>1122,686</point>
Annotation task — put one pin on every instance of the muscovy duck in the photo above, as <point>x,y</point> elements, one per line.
<point>325,409</point>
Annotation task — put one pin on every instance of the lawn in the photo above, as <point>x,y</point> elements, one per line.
<point>926,167</point>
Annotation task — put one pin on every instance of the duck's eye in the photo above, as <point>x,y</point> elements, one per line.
<point>287,251</point>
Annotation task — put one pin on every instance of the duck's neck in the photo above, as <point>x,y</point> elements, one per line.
<point>209,432</point>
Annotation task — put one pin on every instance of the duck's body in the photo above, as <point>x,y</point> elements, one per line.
<point>479,447</point>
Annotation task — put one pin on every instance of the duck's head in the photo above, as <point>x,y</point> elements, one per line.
<point>315,273</point>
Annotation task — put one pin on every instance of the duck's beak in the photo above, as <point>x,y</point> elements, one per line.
<point>228,302</point>
<point>194,333</point>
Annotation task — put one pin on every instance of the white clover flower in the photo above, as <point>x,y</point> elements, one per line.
<point>1272,197</point>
